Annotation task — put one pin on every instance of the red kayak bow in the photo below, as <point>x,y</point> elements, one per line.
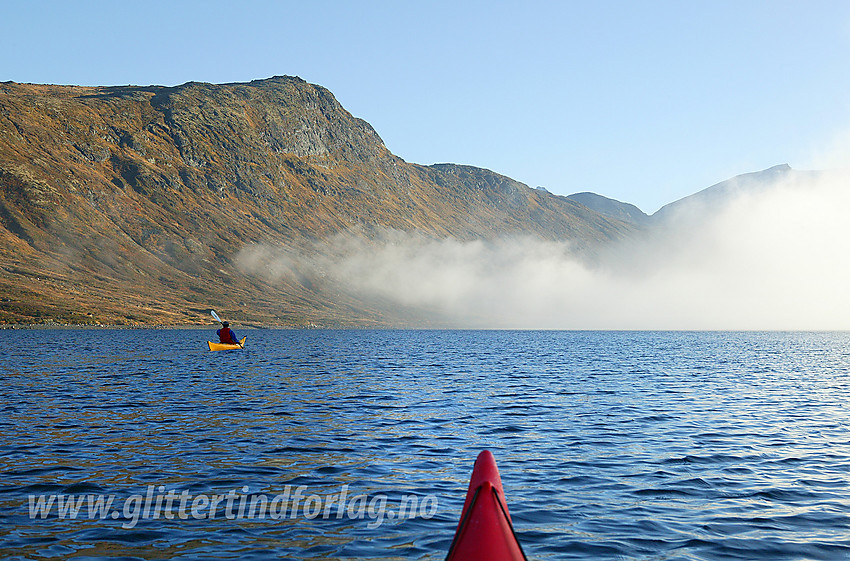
<point>485,531</point>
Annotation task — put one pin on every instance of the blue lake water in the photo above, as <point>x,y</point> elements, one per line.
<point>611,445</point>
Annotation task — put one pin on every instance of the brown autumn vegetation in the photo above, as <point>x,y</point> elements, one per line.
<point>128,205</point>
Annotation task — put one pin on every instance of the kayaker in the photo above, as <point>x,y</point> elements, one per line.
<point>226,335</point>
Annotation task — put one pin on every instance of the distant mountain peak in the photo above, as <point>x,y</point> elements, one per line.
<point>720,193</point>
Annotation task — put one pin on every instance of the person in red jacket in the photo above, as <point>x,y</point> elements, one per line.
<point>226,335</point>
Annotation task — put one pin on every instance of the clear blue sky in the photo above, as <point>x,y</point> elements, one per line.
<point>645,102</point>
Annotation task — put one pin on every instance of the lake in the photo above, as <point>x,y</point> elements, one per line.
<point>358,444</point>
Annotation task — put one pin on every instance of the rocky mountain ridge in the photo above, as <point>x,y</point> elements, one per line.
<point>130,205</point>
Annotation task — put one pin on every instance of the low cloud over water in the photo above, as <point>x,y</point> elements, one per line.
<point>776,257</point>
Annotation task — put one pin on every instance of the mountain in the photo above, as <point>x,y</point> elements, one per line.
<point>134,205</point>
<point>625,212</point>
<point>715,198</point>
<point>701,205</point>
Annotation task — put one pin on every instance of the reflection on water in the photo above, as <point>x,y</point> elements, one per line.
<point>611,445</point>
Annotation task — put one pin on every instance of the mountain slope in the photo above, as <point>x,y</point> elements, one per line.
<point>132,204</point>
<point>613,208</point>
<point>712,199</point>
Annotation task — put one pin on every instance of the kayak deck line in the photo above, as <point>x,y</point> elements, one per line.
<point>227,346</point>
<point>485,530</point>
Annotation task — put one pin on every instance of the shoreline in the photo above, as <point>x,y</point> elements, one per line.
<point>236,324</point>
<point>313,327</point>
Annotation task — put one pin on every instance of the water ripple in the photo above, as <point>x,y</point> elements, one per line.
<point>611,445</point>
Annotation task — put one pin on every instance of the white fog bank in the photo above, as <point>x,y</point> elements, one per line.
<point>772,258</point>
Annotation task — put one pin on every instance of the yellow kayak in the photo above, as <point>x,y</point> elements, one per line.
<point>226,346</point>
